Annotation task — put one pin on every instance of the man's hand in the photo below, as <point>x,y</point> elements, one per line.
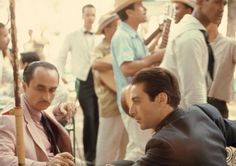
<point>65,112</point>
<point>62,159</point>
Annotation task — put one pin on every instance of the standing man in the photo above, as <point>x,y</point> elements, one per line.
<point>129,55</point>
<point>187,52</point>
<point>47,143</point>
<point>112,136</point>
<point>4,40</point>
<point>225,59</point>
<point>80,44</point>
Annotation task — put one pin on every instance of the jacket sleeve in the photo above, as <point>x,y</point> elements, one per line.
<point>158,152</point>
<point>230,133</point>
<point>8,144</point>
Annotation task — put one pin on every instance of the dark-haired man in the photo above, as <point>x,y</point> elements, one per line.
<point>195,136</point>
<point>27,58</point>
<point>47,143</point>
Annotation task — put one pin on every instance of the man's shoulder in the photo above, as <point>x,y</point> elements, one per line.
<point>120,34</point>
<point>74,34</point>
<point>190,35</point>
<point>7,122</point>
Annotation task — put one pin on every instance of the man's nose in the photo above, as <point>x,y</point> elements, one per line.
<point>132,111</point>
<point>46,96</point>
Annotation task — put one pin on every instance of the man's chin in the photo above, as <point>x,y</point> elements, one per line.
<point>142,127</point>
<point>42,107</point>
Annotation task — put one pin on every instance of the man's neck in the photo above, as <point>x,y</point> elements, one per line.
<point>133,24</point>
<point>212,30</point>
<point>88,27</point>
<point>202,19</point>
<point>107,39</point>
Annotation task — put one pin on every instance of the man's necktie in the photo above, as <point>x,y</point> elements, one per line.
<point>211,59</point>
<point>88,33</point>
<point>50,134</point>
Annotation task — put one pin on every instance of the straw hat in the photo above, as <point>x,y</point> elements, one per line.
<point>105,20</point>
<point>121,4</point>
<point>190,3</point>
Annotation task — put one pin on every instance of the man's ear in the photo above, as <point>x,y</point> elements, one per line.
<point>162,98</point>
<point>190,11</point>
<point>129,12</point>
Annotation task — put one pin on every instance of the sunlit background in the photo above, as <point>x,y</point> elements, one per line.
<point>55,18</point>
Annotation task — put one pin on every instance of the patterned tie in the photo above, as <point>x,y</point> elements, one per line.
<point>211,59</point>
<point>50,134</point>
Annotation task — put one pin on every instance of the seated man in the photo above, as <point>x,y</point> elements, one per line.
<point>47,143</point>
<point>196,136</point>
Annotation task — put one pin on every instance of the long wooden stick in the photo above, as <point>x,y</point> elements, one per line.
<point>18,111</point>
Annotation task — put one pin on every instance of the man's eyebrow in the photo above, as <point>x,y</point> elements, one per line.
<point>43,86</point>
<point>40,86</point>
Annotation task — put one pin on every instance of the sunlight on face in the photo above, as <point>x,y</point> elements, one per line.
<point>144,111</point>
<point>41,89</point>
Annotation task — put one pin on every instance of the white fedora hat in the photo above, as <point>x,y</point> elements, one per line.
<point>121,4</point>
<point>190,3</point>
<point>105,20</point>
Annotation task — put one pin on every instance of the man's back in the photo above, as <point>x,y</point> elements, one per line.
<point>186,57</point>
<point>187,138</point>
<point>126,46</point>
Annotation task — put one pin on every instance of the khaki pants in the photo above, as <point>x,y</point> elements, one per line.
<point>112,140</point>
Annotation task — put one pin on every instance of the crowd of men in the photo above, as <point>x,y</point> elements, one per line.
<point>162,118</point>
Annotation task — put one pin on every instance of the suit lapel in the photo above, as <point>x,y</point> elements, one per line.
<point>32,129</point>
<point>64,142</point>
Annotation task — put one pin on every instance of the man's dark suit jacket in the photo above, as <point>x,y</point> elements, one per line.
<point>196,137</point>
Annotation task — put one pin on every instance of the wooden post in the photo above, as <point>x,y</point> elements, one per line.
<point>17,111</point>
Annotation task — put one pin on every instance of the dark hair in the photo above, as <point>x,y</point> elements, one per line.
<point>2,25</point>
<point>29,70</point>
<point>87,6</point>
<point>28,57</point>
<point>157,80</point>
<point>187,6</point>
<point>122,13</point>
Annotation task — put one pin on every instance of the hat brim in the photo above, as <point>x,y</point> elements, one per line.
<point>191,4</point>
<point>105,23</point>
<point>124,4</point>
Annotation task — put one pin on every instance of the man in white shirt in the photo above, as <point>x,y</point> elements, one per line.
<point>80,44</point>
<point>187,52</point>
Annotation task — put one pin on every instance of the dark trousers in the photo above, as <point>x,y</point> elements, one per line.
<point>220,105</point>
<point>88,102</point>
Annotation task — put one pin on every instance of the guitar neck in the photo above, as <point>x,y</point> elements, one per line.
<point>165,33</point>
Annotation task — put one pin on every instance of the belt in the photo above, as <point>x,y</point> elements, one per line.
<point>215,99</point>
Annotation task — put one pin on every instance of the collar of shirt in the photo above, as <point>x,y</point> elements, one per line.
<point>86,32</point>
<point>169,118</point>
<point>129,30</point>
<point>188,22</point>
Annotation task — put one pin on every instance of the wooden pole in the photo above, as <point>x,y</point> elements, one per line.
<point>18,111</point>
